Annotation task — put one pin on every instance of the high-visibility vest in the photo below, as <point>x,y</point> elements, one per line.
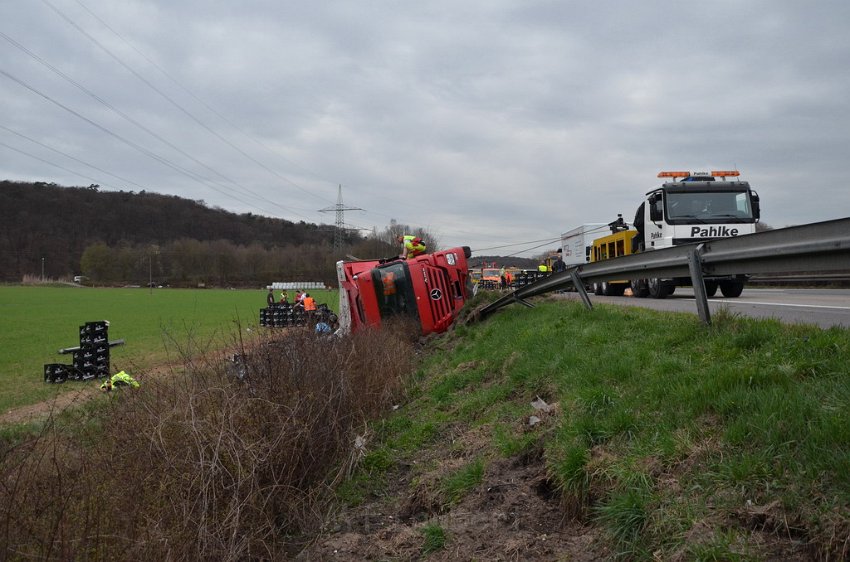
<point>542,267</point>
<point>413,245</point>
<point>309,303</point>
<point>119,379</point>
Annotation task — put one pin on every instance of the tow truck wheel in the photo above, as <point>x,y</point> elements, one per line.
<point>639,288</point>
<point>597,288</point>
<point>731,289</point>
<point>710,288</point>
<point>606,289</point>
<point>658,289</point>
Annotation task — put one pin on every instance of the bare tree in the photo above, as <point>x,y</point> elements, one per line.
<point>395,229</point>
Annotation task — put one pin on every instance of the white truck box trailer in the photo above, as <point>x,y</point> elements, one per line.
<point>576,242</point>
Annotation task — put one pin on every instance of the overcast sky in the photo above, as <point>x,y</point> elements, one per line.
<point>487,122</point>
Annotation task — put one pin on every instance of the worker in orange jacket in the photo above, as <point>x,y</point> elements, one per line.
<point>309,305</point>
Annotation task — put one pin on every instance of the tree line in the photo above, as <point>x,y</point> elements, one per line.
<point>126,237</point>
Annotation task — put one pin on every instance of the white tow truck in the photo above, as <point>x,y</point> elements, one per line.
<point>694,208</point>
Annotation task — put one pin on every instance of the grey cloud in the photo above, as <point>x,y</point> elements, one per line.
<point>489,122</point>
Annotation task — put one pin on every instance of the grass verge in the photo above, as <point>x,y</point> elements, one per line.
<point>674,439</point>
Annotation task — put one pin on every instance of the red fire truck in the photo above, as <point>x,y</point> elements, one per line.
<point>430,288</point>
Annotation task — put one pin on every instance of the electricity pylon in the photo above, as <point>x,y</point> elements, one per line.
<point>340,221</point>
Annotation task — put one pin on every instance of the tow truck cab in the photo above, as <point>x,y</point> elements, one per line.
<point>430,288</point>
<point>698,208</point>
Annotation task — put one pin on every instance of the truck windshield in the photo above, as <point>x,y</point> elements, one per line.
<point>394,291</point>
<point>713,206</point>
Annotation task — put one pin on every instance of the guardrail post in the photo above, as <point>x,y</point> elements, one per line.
<point>695,267</point>
<point>579,285</point>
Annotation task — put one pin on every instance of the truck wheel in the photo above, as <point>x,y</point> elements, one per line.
<point>606,289</point>
<point>710,288</point>
<point>597,288</point>
<point>658,289</point>
<point>731,289</point>
<point>639,288</point>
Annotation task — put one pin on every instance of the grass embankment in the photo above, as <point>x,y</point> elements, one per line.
<point>674,440</point>
<point>158,324</point>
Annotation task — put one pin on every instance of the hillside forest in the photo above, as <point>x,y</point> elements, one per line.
<point>119,237</point>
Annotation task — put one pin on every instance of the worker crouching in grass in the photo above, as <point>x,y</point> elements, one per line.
<point>120,378</point>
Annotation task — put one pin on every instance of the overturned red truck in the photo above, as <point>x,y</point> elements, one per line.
<point>430,289</point>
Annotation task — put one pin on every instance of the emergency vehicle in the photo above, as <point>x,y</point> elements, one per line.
<point>694,208</point>
<point>429,288</point>
<point>491,278</point>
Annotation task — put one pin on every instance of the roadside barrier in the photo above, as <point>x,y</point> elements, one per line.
<point>818,247</point>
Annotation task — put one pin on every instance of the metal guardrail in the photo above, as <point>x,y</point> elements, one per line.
<point>820,247</point>
<point>801,279</point>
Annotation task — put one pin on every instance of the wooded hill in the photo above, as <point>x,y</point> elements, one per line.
<point>127,237</point>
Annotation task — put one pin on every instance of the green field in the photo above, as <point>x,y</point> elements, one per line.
<point>35,322</point>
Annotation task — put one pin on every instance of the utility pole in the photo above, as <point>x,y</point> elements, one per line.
<point>340,209</point>
<point>42,269</point>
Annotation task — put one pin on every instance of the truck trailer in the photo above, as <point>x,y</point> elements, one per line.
<point>575,244</point>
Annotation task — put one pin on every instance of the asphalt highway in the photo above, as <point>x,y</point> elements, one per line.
<point>822,307</point>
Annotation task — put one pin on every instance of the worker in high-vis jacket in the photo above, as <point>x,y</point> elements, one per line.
<point>119,379</point>
<point>411,246</point>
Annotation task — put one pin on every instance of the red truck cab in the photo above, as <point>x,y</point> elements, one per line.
<point>430,288</point>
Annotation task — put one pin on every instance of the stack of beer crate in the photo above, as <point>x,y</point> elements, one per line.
<point>92,358</point>
<point>89,360</point>
<point>282,315</point>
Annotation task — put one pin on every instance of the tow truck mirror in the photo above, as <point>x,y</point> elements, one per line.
<point>754,197</point>
<point>655,213</point>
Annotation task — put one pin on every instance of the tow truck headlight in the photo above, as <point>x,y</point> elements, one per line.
<point>450,257</point>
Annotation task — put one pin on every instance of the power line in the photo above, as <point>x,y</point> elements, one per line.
<point>162,160</point>
<point>544,240</point>
<point>194,96</point>
<point>532,248</point>
<point>130,119</point>
<point>51,163</point>
<point>92,166</point>
<point>165,96</point>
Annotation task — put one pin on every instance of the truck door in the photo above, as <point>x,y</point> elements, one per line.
<point>654,220</point>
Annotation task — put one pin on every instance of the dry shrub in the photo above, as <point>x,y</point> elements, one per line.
<point>229,461</point>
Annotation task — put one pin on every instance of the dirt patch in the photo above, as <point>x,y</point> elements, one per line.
<point>514,513</point>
